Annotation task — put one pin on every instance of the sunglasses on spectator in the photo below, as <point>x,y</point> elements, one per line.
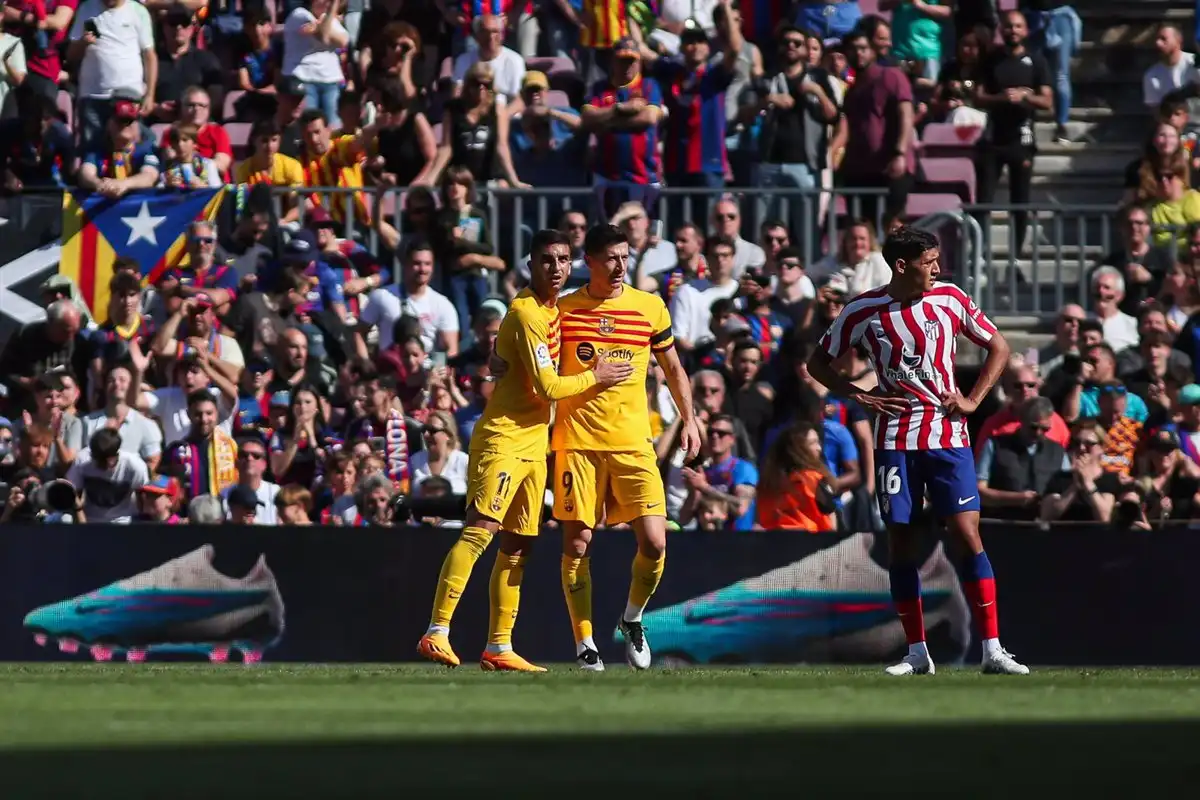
<point>719,432</point>
<point>252,455</point>
<point>789,264</point>
<point>1139,222</point>
<point>1044,427</point>
<point>481,84</point>
<point>1071,320</point>
<point>1118,390</point>
<point>432,431</point>
<point>727,216</point>
<point>203,239</point>
<point>194,104</point>
<point>1085,442</point>
<point>792,43</point>
<point>576,226</point>
<point>706,390</point>
<point>777,239</point>
<point>1026,384</point>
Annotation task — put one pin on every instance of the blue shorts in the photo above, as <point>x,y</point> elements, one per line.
<point>903,476</point>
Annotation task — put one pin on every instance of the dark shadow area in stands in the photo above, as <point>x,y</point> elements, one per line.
<point>993,760</point>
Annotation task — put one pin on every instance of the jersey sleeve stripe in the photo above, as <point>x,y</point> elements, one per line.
<point>662,336</point>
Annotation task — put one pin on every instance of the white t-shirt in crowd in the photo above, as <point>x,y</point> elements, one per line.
<point>114,63</point>
<point>870,273</point>
<point>1120,331</point>
<point>139,435</point>
<point>746,255</point>
<point>108,494</point>
<point>169,404</point>
<point>304,56</point>
<point>455,470</point>
<point>654,260</point>
<point>508,70</point>
<point>432,308</point>
<point>1160,79</point>
<point>267,513</point>
<point>12,60</point>
<point>691,308</point>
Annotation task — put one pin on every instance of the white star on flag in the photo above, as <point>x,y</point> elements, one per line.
<point>143,226</point>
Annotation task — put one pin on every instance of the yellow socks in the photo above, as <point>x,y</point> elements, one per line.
<point>505,598</point>
<point>577,590</point>
<point>647,572</point>
<point>456,571</point>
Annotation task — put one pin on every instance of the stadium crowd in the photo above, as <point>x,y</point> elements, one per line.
<point>285,375</point>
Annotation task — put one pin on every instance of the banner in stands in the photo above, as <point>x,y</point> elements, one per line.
<point>30,227</point>
<point>1069,597</point>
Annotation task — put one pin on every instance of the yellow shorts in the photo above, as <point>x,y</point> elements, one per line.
<point>510,490</point>
<point>617,487</point>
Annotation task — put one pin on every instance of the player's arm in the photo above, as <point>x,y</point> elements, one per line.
<point>980,330</point>
<point>533,348</point>
<point>662,344</point>
<point>820,367</point>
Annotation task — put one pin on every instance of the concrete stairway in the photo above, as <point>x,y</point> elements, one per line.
<point>1108,128</point>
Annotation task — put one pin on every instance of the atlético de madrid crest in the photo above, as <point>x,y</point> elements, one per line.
<point>932,331</point>
<point>606,326</point>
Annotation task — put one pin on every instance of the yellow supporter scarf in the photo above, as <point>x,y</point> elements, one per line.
<point>222,462</point>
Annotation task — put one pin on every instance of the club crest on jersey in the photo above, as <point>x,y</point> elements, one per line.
<point>932,331</point>
<point>606,326</point>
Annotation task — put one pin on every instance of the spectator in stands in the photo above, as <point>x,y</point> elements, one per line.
<point>1123,432</point>
<point>1108,292</point>
<point>858,258</point>
<point>1162,155</point>
<point>649,254</point>
<point>797,110</point>
<point>725,477</point>
<point>299,449</point>
<point>252,494</point>
<point>383,426</point>
<point>406,146</point>
<point>830,20</point>
<point>794,489</point>
<point>1176,205</point>
<point>957,81</point>
<point>1151,322</point>
<point>205,510</point>
<point>442,455</point>
<point>475,132</point>
<point>191,374</point>
<point>212,141</point>
<point>40,347</point>
<point>832,294</point>
<point>185,168</point>
<point>140,436</point>
<point>50,410</point>
<point>461,239</point>
<point>113,43</point>
<point>485,327</point>
<point>311,39</point>
<point>395,57</point>
<point>1188,427</point>
<point>728,21</point>
<point>110,340</point>
<point>1021,383</point>
<point>258,64</point>
<point>12,70</point>
<point>1085,492</point>
<point>766,325</point>
<point>181,64</point>
<point>917,34</point>
<point>373,500</point>
<point>479,391</point>
<point>505,67</point>
<point>1174,69</point>
<point>691,307</point>
<point>118,160</point>
<point>289,96</point>
<point>727,222</point>
<point>879,119</point>
<point>1148,381</point>
<point>1058,32</point>
<point>1014,85</point>
<point>1170,481</point>
<point>192,331</point>
<point>1015,469</point>
<point>34,446</point>
<point>205,460</point>
<point>106,478</point>
<point>794,291</point>
<point>42,28</point>
<point>413,297</point>
<point>293,505</point>
<point>296,366</point>
<point>1066,339</point>
<point>1141,264</point>
<point>36,149</point>
<point>158,501</point>
<point>623,112</point>
<point>547,143</point>
<point>267,165</point>
<point>337,499</point>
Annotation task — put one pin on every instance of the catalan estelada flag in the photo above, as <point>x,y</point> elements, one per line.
<point>147,226</point>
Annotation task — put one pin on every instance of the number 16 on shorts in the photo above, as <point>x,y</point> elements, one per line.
<point>903,477</point>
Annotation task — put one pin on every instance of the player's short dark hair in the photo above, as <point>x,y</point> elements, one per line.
<point>546,237</point>
<point>907,243</point>
<point>123,283</point>
<point>104,444</point>
<point>601,237</point>
<point>200,396</point>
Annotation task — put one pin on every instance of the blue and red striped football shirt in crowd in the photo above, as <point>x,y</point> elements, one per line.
<point>218,276</point>
<point>760,18</point>
<point>627,156</point>
<point>478,8</point>
<point>695,101</point>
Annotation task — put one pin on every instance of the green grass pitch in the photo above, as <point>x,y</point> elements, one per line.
<point>171,731</point>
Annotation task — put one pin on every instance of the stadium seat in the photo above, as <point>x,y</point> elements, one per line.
<point>919,205</point>
<point>437,132</point>
<point>65,108</point>
<point>570,83</point>
<point>943,140</point>
<point>954,175</point>
<point>231,98</point>
<point>557,99</point>
<point>550,64</point>
<point>239,138</point>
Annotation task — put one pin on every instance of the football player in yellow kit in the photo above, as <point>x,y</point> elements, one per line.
<point>604,463</point>
<point>506,476</point>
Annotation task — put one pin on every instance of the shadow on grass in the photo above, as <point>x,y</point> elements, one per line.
<point>967,761</point>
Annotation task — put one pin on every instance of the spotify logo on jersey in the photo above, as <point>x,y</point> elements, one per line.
<point>585,351</point>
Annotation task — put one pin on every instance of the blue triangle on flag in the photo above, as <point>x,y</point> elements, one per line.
<point>144,225</point>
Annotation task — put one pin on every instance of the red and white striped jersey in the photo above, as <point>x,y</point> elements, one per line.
<point>912,346</point>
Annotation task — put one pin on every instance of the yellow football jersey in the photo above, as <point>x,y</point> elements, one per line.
<point>623,328</point>
<point>516,420</point>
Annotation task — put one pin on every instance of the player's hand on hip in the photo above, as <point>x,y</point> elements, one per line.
<point>954,402</point>
<point>610,373</point>
<point>890,403</point>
